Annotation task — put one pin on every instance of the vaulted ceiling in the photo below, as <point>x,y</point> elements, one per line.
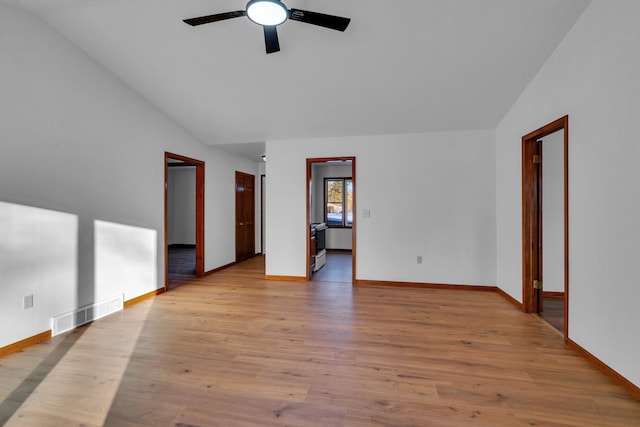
<point>401,66</point>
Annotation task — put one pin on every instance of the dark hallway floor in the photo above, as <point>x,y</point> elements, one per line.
<point>181,265</point>
<point>553,312</point>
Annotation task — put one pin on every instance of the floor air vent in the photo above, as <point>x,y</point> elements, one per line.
<point>86,314</point>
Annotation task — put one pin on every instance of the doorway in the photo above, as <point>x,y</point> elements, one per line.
<point>245,216</point>
<point>337,211</point>
<point>183,220</point>
<point>545,250</point>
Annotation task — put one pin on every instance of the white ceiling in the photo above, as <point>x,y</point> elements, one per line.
<point>400,67</point>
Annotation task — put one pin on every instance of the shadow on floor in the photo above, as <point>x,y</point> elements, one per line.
<point>62,344</point>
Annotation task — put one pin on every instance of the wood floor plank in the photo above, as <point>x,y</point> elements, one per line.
<point>233,349</point>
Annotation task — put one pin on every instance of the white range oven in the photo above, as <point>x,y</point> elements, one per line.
<point>320,229</point>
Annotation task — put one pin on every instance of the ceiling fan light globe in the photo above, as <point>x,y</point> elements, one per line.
<point>267,12</point>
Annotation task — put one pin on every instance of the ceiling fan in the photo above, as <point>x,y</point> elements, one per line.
<point>270,14</point>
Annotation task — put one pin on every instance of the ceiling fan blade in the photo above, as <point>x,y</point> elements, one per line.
<point>214,18</point>
<point>321,19</point>
<point>271,38</point>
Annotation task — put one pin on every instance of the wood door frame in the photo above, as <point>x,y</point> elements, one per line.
<point>262,179</point>
<point>310,162</point>
<point>530,208</point>
<point>199,164</point>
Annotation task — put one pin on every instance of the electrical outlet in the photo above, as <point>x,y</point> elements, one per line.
<point>28,302</point>
<point>419,259</point>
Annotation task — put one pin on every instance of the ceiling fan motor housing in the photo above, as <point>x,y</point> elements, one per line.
<point>267,12</point>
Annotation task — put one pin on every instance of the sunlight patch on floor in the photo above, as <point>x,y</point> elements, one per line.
<point>63,391</point>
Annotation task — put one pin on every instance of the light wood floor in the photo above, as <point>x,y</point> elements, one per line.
<point>233,349</point>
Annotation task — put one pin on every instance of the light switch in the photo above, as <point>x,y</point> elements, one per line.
<point>366,213</point>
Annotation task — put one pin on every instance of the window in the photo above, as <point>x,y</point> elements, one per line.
<point>338,197</point>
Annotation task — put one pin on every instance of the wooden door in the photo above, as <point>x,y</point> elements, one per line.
<point>532,245</point>
<point>532,224</point>
<point>245,216</point>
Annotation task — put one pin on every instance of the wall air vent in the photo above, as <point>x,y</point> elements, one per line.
<point>88,313</point>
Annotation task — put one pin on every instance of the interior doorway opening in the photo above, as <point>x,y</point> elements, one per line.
<point>331,219</point>
<point>545,223</point>
<point>183,219</point>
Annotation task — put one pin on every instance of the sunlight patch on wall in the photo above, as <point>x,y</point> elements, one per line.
<point>125,260</point>
<point>38,268</point>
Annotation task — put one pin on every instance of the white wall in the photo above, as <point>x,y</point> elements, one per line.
<point>553,212</point>
<point>181,205</point>
<point>336,238</point>
<point>592,77</point>
<point>339,238</point>
<point>429,194</point>
<point>89,152</point>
